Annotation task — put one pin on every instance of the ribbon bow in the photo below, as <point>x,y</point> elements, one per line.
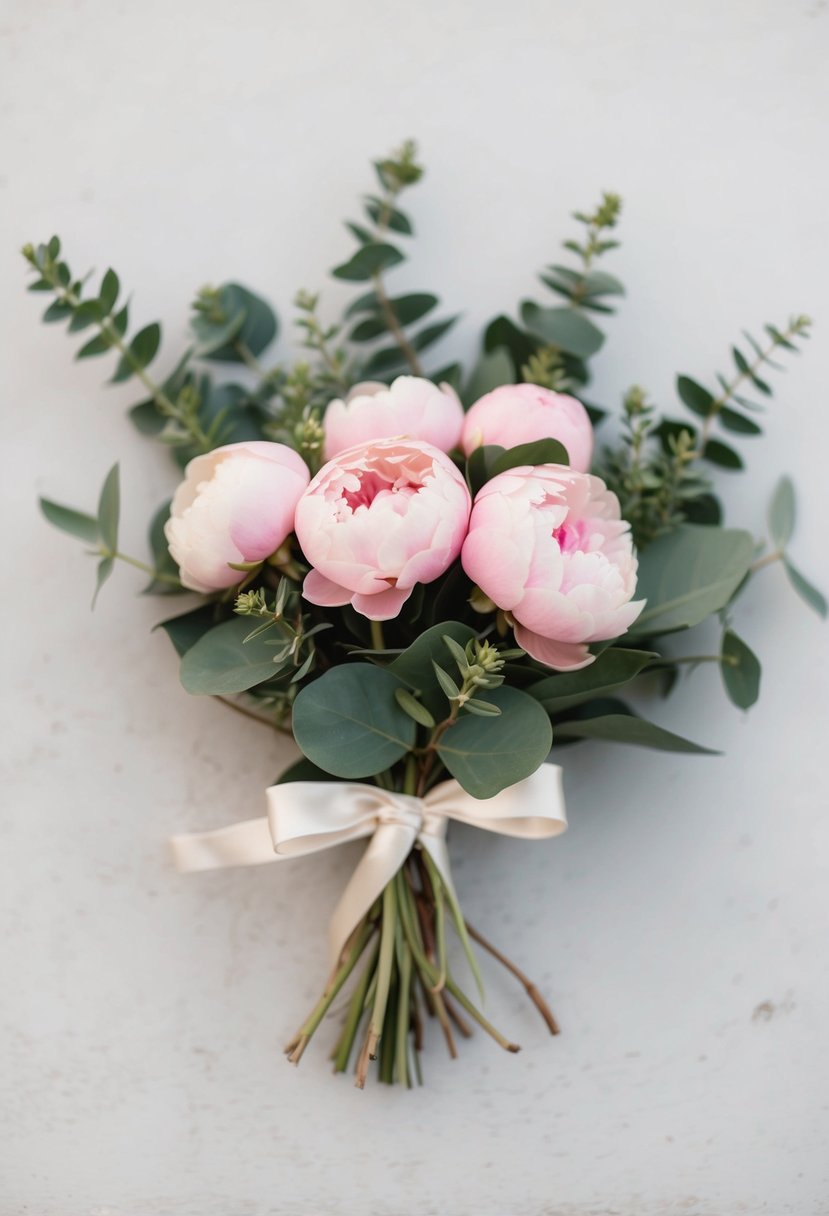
<point>308,816</point>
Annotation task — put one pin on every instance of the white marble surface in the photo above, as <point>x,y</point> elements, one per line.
<point>680,926</point>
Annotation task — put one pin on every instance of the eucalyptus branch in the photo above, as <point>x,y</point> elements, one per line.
<point>798,327</point>
<point>393,189</point>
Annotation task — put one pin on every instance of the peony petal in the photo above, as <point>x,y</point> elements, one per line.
<point>323,592</point>
<point>561,656</point>
<point>384,606</point>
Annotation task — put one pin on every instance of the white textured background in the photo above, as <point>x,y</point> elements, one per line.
<point>143,1013</point>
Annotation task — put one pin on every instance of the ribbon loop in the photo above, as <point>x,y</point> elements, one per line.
<point>308,816</point>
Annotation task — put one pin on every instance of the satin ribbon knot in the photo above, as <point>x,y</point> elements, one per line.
<point>308,816</point>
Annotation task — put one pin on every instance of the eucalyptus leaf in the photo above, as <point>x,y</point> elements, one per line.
<point>740,670</point>
<point>105,567</point>
<point>258,329</point>
<point>493,369</point>
<point>487,754</point>
<point>612,669</point>
<point>698,399</point>
<point>162,560</point>
<point>141,352</point>
<point>782,513</point>
<point>368,261</point>
<point>807,592</point>
<point>564,328</point>
<point>75,523</point>
<point>541,451</point>
<point>349,723</point>
<point>690,574</point>
<point>303,770</point>
<point>222,662</point>
<point>627,728</point>
<point>721,454</point>
<point>414,665</point>
<point>109,508</point>
<point>185,630</point>
<point>481,465</point>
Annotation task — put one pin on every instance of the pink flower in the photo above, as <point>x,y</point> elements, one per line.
<point>236,504</point>
<point>411,407</point>
<point>548,546</point>
<point>523,413</point>
<point>377,520</point>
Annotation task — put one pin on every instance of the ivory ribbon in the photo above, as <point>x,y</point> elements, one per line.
<point>309,816</point>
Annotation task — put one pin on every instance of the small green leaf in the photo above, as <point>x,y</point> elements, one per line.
<point>782,513</point>
<point>692,394</point>
<point>98,345</point>
<point>414,665</point>
<point>105,567</point>
<point>740,671</point>
<point>484,709</point>
<point>141,352</point>
<point>430,334</point>
<point>75,523</point>
<point>722,455</point>
<point>87,313</point>
<point>480,465</point>
<point>541,451</point>
<point>411,706</point>
<point>259,324</point>
<point>162,561</point>
<point>390,217</point>
<point>56,311</point>
<point>446,682</point>
<point>807,592</point>
<point>367,261</point>
<point>626,728</point>
<point>564,328</point>
<point>493,369</point>
<point>384,362</point>
<point>109,508</point>
<point>108,293</point>
<point>734,421</point>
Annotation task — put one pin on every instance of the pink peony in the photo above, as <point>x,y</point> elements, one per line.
<point>548,546</point>
<point>523,413</point>
<point>411,407</point>
<point>377,520</point>
<point>236,504</point>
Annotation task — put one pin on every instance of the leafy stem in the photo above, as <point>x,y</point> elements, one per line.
<point>797,328</point>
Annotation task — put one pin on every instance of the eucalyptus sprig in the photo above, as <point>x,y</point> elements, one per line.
<point>381,315</point>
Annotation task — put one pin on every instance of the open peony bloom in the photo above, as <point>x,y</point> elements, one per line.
<point>524,413</point>
<point>378,519</point>
<point>411,407</point>
<point>548,546</point>
<point>236,504</point>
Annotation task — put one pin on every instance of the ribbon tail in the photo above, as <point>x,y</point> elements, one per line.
<point>248,843</point>
<point>386,851</point>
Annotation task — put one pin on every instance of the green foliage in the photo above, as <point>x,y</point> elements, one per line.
<point>782,515</point>
<point>383,317</point>
<point>652,471</point>
<point>740,670</point>
<point>232,325</point>
<point>493,369</point>
<point>627,728</point>
<point>728,405</point>
<point>228,660</point>
<point>688,575</point>
<point>487,754</point>
<point>349,723</point>
<point>612,669</point>
<point>554,344</point>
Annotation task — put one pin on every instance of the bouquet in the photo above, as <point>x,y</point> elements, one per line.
<point>428,575</point>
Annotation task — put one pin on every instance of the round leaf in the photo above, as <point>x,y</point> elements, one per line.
<point>485,754</point>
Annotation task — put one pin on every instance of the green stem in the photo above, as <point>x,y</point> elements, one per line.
<point>730,389</point>
<point>165,406</point>
<point>303,1037</point>
<point>249,359</point>
<point>731,660</point>
<point>404,970</point>
<point>392,324</point>
<point>768,560</point>
<point>158,575</point>
<point>385,963</point>
<point>355,1013</point>
<point>377,640</point>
